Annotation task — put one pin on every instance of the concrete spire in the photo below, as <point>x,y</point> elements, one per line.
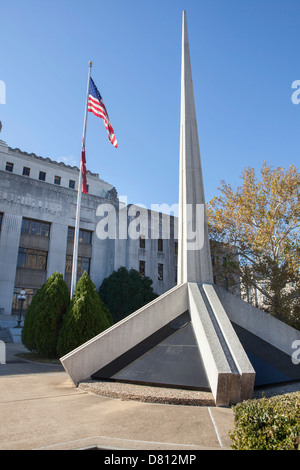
<point>194,258</point>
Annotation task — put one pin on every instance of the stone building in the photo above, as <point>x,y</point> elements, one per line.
<point>38,200</point>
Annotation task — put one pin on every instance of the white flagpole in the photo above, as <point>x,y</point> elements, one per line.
<point>77,223</point>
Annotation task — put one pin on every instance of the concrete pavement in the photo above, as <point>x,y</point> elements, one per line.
<point>41,409</point>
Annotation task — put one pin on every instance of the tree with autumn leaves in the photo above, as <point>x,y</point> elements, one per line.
<point>261,219</point>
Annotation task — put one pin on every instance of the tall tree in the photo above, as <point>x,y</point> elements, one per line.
<point>261,218</point>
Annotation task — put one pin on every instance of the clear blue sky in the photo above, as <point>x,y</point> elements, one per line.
<point>245,56</point>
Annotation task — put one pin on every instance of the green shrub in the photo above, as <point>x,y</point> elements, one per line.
<point>124,292</point>
<point>44,316</point>
<point>86,317</point>
<point>267,424</point>
<point>28,335</point>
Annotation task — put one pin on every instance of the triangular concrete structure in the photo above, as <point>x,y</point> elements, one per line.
<point>196,335</point>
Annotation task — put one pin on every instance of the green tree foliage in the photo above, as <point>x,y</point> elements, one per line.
<point>124,292</point>
<point>44,316</point>
<point>267,423</point>
<point>261,219</point>
<point>86,317</point>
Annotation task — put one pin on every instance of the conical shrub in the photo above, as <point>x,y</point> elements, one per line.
<point>86,317</point>
<point>43,319</point>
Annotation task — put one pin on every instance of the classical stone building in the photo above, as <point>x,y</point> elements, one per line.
<point>38,200</point>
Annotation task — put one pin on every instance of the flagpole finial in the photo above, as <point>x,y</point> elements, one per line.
<point>90,63</point>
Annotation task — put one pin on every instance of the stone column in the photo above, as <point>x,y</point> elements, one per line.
<point>9,248</point>
<point>57,249</point>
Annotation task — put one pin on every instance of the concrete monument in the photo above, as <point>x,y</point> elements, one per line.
<point>196,335</point>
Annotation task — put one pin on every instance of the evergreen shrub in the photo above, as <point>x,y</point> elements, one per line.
<point>124,292</point>
<point>44,317</point>
<point>86,317</point>
<point>267,423</point>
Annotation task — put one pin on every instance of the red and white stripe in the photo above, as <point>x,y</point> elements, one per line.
<point>98,108</point>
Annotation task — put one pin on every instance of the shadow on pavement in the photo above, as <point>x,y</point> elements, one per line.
<point>16,365</point>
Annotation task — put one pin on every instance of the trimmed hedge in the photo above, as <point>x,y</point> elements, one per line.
<point>267,423</point>
<point>86,317</point>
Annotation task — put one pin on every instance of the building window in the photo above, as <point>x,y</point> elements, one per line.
<point>70,237</point>
<point>32,259</point>
<point>42,176</point>
<point>71,184</point>
<point>26,171</point>
<point>142,242</point>
<point>176,248</point>
<point>160,272</point>
<point>9,167</point>
<point>160,244</point>
<point>35,227</point>
<point>142,268</point>
<point>85,236</point>
<point>68,266</point>
<point>87,188</point>
<point>83,264</point>
<point>57,180</point>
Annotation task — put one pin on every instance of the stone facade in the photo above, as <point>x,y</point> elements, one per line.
<point>38,200</point>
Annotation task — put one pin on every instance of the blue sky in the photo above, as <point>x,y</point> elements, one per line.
<point>244,57</point>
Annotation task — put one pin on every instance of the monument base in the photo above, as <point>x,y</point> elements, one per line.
<point>168,358</point>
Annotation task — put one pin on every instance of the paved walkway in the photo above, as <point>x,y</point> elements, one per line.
<point>41,409</point>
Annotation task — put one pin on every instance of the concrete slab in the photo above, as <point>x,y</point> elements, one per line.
<point>46,411</point>
<point>121,337</point>
<point>170,357</point>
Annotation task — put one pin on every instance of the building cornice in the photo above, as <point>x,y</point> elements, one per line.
<point>48,160</point>
<point>112,195</point>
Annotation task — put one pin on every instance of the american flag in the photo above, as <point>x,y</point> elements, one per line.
<point>96,106</point>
